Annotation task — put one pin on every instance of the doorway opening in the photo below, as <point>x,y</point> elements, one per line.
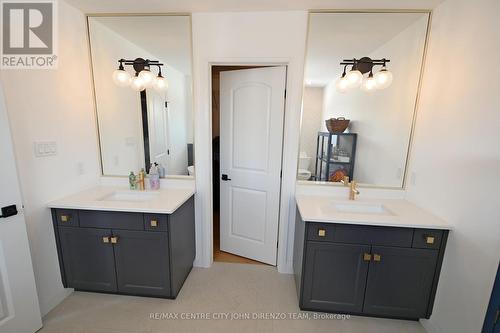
<point>237,196</point>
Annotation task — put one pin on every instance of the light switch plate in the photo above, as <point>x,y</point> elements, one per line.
<point>45,148</point>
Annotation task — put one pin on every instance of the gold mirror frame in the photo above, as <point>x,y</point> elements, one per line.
<point>417,95</point>
<point>94,97</point>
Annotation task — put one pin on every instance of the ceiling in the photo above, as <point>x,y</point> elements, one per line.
<point>185,6</point>
<point>166,37</point>
<point>336,36</point>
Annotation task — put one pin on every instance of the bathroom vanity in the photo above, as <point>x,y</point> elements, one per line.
<point>369,257</point>
<point>125,242</point>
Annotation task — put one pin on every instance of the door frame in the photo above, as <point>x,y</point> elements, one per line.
<point>289,168</point>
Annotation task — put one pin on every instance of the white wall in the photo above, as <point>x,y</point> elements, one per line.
<point>456,157</point>
<point>118,107</point>
<point>383,118</point>
<point>312,117</point>
<point>247,38</point>
<point>53,105</point>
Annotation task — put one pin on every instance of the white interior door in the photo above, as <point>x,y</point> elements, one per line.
<point>252,105</point>
<point>157,125</point>
<point>19,309</point>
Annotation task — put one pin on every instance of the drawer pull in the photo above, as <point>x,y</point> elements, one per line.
<point>114,240</point>
<point>321,232</point>
<point>154,223</point>
<point>377,257</point>
<point>429,239</point>
<point>65,218</point>
<point>367,257</point>
<point>105,239</point>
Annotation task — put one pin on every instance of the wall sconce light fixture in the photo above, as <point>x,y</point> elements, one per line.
<point>143,78</point>
<point>355,77</point>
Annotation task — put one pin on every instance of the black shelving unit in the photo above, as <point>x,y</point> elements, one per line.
<point>325,161</point>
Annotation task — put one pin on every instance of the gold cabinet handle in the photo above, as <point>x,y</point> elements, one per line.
<point>105,239</point>
<point>114,240</point>
<point>321,232</point>
<point>430,239</point>
<point>154,223</point>
<point>65,218</point>
<point>367,256</point>
<point>377,257</point>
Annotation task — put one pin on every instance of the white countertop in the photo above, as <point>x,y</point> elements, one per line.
<point>398,212</point>
<point>163,201</point>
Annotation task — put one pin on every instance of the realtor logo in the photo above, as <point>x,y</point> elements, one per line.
<point>28,35</point>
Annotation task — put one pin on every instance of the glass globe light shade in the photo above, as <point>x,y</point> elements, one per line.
<point>160,83</point>
<point>147,77</point>
<point>121,77</point>
<point>137,83</point>
<point>342,85</point>
<point>354,78</point>
<point>369,84</point>
<point>383,78</point>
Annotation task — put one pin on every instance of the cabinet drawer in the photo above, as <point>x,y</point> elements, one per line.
<point>67,217</point>
<point>427,238</point>
<point>357,234</point>
<point>111,220</point>
<point>155,222</point>
<point>320,231</point>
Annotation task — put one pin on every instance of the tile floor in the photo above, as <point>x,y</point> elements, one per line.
<point>224,288</point>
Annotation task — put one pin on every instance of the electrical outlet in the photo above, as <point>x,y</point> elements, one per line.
<point>45,148</point>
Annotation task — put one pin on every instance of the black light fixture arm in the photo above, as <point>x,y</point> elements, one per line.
<point>365,64</point>
<point>139,64</point>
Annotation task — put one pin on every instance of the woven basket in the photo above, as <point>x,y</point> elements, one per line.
<point>337,125</point>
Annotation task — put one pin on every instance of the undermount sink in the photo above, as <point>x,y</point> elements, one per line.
<point>362,208</point>
<point>130,196</point>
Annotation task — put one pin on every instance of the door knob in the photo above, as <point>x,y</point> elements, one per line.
<point>105,239</point>
<point>429,239</point>
<point>377,257</point>
<point>367,257</point>
<point>225,178</point>
<point>321,232</point>
<point>154,223</point>
<point>65,218</point>
<point>114,240</point>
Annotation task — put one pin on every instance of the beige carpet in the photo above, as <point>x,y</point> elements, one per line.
<point>240,291</point>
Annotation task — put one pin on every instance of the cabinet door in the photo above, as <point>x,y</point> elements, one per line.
<point>334,277</point>
<point>88,258</point>
<point>142,262</point>
<point>399,282</point>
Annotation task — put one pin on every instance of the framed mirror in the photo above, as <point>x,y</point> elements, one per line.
<point>362,77</point>
<point>142,76</point>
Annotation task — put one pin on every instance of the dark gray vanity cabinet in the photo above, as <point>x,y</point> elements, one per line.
<point>140,254</point>
<point>367,270</point>
<point>90,261</point>
<point>400,283</point>
<point>142,262</point>
<point>336,276</point>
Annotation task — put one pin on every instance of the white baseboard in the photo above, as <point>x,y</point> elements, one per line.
<point>429,326</point>
<point>54,301</point>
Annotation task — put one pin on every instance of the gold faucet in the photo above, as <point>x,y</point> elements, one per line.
<point>140,180</point>
<point>353,191</point>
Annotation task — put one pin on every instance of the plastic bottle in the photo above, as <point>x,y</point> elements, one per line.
<point>154,177</point>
